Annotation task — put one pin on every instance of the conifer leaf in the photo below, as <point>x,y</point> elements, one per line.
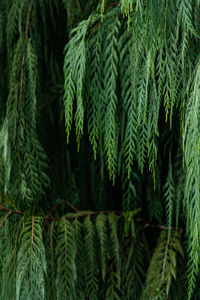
<point>31,261</point>
<point>66,266</point>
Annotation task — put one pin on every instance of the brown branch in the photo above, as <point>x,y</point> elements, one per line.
<point>58,204</point>
<point>47,217</point>
<point>80,214</point>
<point>71,206</point>
<point>137,219</point>
<point>51,195</point>
<point>2,208</point>
<point>5,218</point>
<point>158,226</point>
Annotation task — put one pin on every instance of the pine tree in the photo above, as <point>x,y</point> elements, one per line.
<point>99,149</point>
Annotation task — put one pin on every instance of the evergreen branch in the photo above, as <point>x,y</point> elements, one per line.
<point>129,87</point>
<point>31,261</point>
<point>2,208</point>
<point>96,91</point>
<point>162,268</point>
<point>102,234</point>
<point>74,71</point>
<point>81,214</point>
<point>23,57</point>
<point>128,65</point>
<point>137,219</point>
<point>165,260</point>
<point>50,247</point>
<point>192,164</point>
<point>91,271</point>
<point>5,218</point>
<point>61,203</point>
<point>159,226</point>
<point>169,194</point>
<point>66,254</point>
<point>115,249</point>
<point>32,233</point>
<point>110,84</point>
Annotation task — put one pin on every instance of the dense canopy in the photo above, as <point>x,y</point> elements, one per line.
<point>99,149</point>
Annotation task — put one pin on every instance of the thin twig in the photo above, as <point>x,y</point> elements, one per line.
<point>78,4</point>
<point>5,218</point>
<point>65,202</point>
<point>51,195</point>
<point>158,226</point>
<point>2,208</point>
<point>83,214</point>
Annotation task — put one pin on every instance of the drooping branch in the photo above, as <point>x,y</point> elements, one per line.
<point>23,57</point>
<point>82,214</point>
<point>2,208</point>
<point>32,233</point>
<point>5,218</point>
<point>165,260</point>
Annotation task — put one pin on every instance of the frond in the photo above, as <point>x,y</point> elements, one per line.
<point>115,249</point>
<point>162,268</point>
<point>65,255</point>
<point>31,261</point>
<point>127,6</point>
<point>96,88</point>
<point>169,196</point>
<point>192,193</point>
<point>91,264</point>
<point>133,270</point>
<point>185,14</point>
<point>142,105</point>
<point>101,224</point>
<point>50,243</point>
<point>7,262</point>
<point>74,71</point>
<point>84,224</point>
<point>129,96</point>
<point>110,84</point>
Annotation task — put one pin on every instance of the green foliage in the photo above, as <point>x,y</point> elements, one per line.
<point>65,254</point>
<point>169,196</point>
<point>122,81</point>
<point>102,235</point>
<point>110,77</point>
<point>191,155</point>
<point>162,267</point>
<point>31,261</point>
<point>75,69</point>
<point>8,262</point>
